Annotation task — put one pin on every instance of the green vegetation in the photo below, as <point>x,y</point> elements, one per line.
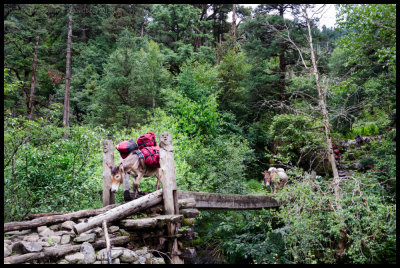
<point>236,104</point>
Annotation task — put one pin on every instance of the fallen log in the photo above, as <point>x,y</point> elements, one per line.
<point>182,204</point>
<point>60,251</point>
<point>35,216</point>
<point>150,223</point>
<point>21,225</point>
<point>120,212</point>
<point>189,212</point>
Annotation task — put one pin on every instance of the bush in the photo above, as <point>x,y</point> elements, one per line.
<point>48,173</point>
<point>313,226</point>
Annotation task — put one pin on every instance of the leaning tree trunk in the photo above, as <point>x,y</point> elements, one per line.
<point>322,104</point>
<point>234,21</point>
<point>33,80</point>
<point>67,75</point>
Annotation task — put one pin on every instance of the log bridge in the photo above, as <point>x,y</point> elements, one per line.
<point>180,208</point>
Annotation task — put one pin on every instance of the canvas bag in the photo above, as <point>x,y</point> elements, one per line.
<point>126,147</point>
<point>151,156</point>
<point>146,140</point>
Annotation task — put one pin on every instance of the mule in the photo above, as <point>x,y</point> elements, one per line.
<point>275,178</point>
<point>135,166</point>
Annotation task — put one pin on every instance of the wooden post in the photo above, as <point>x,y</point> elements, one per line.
<point>108,158</point>
<point>168,180</point>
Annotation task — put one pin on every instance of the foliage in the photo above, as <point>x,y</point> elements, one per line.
<point>46,173</point>
<point>234,104</point>
<point>313,225</point>
<point>133,78</point>
<point>296,137</point>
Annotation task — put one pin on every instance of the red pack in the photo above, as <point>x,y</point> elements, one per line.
<point>126,147</point>
<point>151,156</point>
<point>146,140</point>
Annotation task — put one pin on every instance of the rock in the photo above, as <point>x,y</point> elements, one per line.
<point>41,228</point>
<point>63,261</point>
<point>141,260</point>
<point>128,256</point>
<point>26,247</point>
<point>123,232</point>
<point>56,239</point>
<point>85,238</point>
<point>46,232</point>
<point>61,233</point>
<point>157,261</point>
<point>31,238</point>
<point>189,253</point>
<point>113,229</point>
<point>54,227</point>
<point>116,261</point>
<point>67,225</point>
<point>44,244</point>
<point>97,230</point>
<point>75,258</point>
<point>7,250</point>
<point>142,251</point>
<point>115,253</point>
<point>8,242</point>
<point>88,251</point>
<point>65,239</point>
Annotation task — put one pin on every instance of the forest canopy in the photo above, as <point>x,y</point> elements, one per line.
<point>238,95</point>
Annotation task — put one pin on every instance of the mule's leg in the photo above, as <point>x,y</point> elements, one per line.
<point>127,195</point>
<point>136,185</point>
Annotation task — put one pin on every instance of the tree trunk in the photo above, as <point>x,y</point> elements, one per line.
<point>84,13</point>
<point>22,225</point>
<point>322,104</point>
<point>234,21</point>
<point>33,80</point>
<point>67,75</point>
<point>121,211</point>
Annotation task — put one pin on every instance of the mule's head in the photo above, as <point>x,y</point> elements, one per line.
<point>117,174</point>
<point>267,178</point>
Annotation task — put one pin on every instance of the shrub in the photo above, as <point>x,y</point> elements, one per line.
<point>48,173</point>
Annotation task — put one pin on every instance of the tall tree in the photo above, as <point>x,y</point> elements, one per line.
<point>322,89</point>
<point>281,9</point>
<point>67,74</point>
<point>33,79</point>
<point>22,26</point>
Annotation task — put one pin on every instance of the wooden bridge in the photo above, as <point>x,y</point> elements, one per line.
<point>175,204</point>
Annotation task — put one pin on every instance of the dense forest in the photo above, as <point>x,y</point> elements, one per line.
<point>238,96</point>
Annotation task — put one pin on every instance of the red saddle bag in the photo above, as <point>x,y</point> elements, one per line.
<point>126,147</point>
<point>151,156</point>
<point>146,140</point>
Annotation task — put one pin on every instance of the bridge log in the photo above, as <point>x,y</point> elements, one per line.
<point>22,225</point>
<point>150,223</point>
<point>229,201</point>
<point>120,212</point>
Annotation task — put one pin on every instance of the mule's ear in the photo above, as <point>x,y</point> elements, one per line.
<point>120,167</point>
